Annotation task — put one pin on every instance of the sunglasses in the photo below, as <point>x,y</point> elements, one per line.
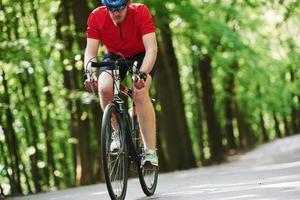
<point>117,8</point>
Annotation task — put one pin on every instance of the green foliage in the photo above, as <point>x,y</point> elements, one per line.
<point>242,32</point>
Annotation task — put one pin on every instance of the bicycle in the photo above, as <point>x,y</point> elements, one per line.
<point>116,164</point>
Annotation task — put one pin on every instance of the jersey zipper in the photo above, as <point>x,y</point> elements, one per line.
<point>121,35</point>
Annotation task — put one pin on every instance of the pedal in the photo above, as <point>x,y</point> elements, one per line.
<point>149,167</point>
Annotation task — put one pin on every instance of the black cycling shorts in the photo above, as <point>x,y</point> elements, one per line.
<point>123,70</point>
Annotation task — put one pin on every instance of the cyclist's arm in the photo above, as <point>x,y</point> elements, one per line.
<point>91,50</point>
<point>150,44</point>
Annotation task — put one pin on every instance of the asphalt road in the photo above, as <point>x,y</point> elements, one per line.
<point>270,172</point>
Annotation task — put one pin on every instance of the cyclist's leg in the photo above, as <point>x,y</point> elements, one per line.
<point>105,84</point>
<point>105,88</point>
<point>146,116</point>
<point>105,81</point>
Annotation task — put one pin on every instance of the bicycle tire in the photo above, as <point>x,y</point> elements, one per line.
<point>115,164</point>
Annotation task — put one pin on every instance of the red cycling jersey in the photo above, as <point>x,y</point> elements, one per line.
<point>124,39</point>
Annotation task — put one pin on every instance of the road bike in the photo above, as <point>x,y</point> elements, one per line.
<point>117,116</point>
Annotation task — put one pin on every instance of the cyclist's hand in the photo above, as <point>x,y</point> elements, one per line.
<point>139,84</point>
<point>91,86</point>
<point>141,81</point>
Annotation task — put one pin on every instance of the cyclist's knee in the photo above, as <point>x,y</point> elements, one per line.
<point>105,91</point>
<point>105,86</point>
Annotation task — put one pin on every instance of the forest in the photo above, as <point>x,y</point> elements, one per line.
<point>227,81</point>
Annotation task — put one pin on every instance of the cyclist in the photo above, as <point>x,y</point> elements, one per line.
<point>126,30</point>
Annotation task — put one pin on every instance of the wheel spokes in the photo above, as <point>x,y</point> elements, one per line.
<point>116,167</point>
<point>149,177</point>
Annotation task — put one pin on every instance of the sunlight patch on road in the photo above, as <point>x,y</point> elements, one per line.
<point>62,197</point>
<point>291,185</point>
<point>185,193</point>
<point>98,193</point>
<point>287,182</point>
<point>225,188</point>
<point>223,185</point>
<point>182,193</point>
<point>249,196</point>
<point>291,177</point>
<point>277,166</point>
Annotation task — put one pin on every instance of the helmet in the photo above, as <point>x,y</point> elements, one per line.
<point>114,3</point>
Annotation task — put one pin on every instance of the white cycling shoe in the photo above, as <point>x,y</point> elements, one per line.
<point>150,160</point>
<point>115,145</point>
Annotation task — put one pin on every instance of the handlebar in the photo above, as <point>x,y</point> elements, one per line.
<point>121,63</point>
<point>111,65</point>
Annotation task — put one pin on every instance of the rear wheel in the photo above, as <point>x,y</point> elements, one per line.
<point>148,178</point>
<point>115,163</point>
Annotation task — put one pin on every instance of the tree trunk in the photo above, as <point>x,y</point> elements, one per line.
<point>34,8</point>
<point>36,177</point>
<point>161,152</point>
<point>12,182</point>
<point>5,23</point>
<point>294,113</point>
<point>198,117</point>
<point>9,132</point>
<point>27,179</point>
<point>47,122</point>
<point>85,175</point>
<point>298,114</point>
<point>229,98</point>
<point>63,19</point>
<point>11,141</point>
<point>276,126</point>
<point>246,140</point>
<point>229,124</point>
<point>214,131</point>
<point>5,166</point>
<point>287,131</point>
<point>198,124</point>
<point>66,171</point>
<point>294,120</point>
<point>173,121</point>
<point>263,128</point>
<point>241,127</point>
<point>1,192</point>
<point>49,132</point>
<point>66,168</point>
<point>80,12</point>
<point>47,126</point>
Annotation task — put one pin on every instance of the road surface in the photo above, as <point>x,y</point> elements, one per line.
<point>270,172</point>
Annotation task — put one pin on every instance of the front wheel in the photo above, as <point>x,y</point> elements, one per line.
<point>115,163</point>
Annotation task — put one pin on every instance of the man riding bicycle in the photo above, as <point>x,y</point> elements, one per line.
<point>127,31</point>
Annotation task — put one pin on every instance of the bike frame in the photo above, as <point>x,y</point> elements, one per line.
<point>129,124</point>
